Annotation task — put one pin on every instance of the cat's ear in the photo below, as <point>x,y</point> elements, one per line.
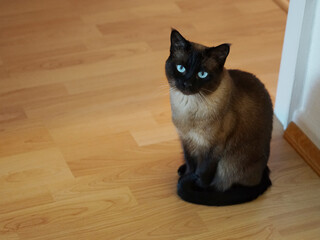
<point>177,41</point>
<point>220,53</point>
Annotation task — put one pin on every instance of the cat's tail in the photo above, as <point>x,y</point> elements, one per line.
<point>190,192</point>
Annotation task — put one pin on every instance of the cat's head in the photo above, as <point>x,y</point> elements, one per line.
<point>193,68</point>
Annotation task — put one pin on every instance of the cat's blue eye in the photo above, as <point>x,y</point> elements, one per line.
<point>181,68</point>
<point>202,74</point>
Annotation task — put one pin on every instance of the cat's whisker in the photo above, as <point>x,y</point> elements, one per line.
<point>163,87</point>
<point>162,94</point>
<point>173,88</point>
<point>205,101</point>
<point>206,90</point>
<point>162,90</point>
<point>200,98</point>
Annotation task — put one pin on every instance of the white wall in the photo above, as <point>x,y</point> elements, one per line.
<point>307,117</point>
<point>298,94</point>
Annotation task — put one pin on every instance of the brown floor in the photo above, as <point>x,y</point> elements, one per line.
<point>87,147</point>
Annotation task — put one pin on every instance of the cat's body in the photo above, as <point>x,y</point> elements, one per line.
<point>224,120</point>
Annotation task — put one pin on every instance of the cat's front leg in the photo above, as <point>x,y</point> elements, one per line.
<point>190,163</point>
<point>206,170</point>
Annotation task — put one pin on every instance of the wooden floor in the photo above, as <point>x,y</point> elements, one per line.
<point>87,147</point>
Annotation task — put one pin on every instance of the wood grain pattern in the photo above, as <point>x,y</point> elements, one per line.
<point>87,147</point>
<point>303,145</point>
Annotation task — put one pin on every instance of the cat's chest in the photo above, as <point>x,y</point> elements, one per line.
<point>191,117</point>
<point>187,108</point>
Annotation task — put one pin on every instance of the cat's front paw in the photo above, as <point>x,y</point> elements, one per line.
<point>202,183</point>
<point>182,170</point>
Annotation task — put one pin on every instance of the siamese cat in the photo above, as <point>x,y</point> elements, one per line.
<point>224,121</point>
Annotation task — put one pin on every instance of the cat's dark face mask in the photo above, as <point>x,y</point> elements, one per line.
<point>192,68</point>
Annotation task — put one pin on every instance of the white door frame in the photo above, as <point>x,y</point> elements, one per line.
<point>294,58</point>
